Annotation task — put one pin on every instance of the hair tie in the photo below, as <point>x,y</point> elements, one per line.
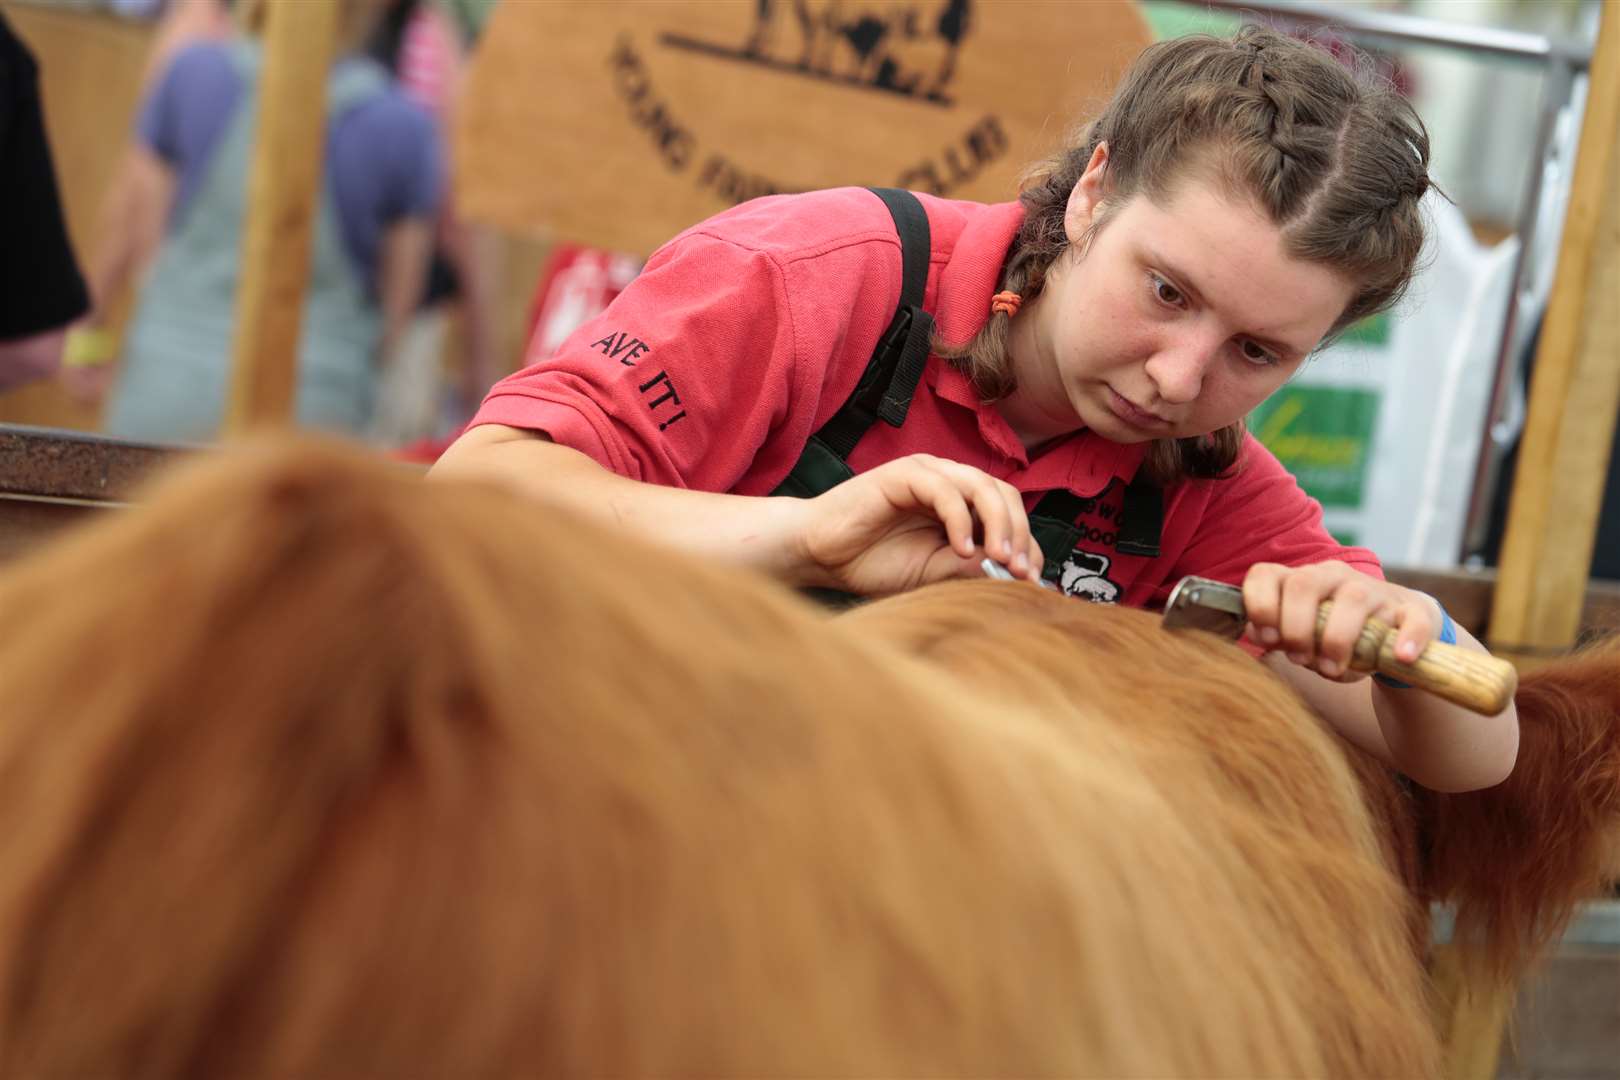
<point>1006,302</point>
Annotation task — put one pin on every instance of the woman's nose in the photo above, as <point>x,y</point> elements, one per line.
<point>1179,365</point>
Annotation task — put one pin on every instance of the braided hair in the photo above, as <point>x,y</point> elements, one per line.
<point>1331,154</point>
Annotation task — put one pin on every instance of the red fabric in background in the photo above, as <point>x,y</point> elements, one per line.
<point>577,284</point>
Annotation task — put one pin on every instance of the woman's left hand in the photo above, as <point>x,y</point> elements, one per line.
<point>1282,601</point>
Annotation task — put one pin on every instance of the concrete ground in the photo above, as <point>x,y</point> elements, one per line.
<point>1566,1023</point>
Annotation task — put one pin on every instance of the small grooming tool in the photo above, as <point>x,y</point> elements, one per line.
<point>1473,680</point>
<point>993,569</point>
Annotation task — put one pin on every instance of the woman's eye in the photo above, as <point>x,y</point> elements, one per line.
<point>1256,354</point>
<point>1166,292</point>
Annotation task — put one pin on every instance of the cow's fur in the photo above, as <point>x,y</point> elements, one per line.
<point>311,768</point>
<point>1514,860</point>
<point>1210,715</point>
<point>1518,858</point>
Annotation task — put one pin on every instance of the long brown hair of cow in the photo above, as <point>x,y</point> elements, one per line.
<point>308,769</point>
<point>238,725</point>
<point>1517,859</point>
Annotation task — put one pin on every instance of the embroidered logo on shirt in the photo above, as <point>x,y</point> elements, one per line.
<point>1085,575</point>
<point>667,397</point>
<point>659,392</point>
<point>621,347</point>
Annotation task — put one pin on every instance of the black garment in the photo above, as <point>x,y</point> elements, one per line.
<point>1606,545</point>
<point>40,285</point>
<point>1606,548</point>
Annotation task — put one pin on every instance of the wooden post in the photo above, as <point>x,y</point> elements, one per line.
<point>284,191</point>
<point>1470,1016</point>
<point>1558,488</point>
<point>1574,394</point>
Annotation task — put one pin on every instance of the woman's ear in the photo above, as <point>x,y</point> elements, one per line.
<point>1087,195</point>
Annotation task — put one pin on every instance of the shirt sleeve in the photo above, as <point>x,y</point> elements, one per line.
<point>1261,514</point>
<point>155,120</point>
<point>680,381</point>
<point>407,138</point>
<point>189,105</point>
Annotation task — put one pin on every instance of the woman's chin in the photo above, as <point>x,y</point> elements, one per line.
<point>1111,427</point>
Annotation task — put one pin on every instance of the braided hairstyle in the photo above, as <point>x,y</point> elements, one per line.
<point>1333,156</point>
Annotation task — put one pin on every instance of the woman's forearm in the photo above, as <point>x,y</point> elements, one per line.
<point>761,533</point>
<point>134,214</point>
<point>1444,746</point>
<point>402,269</point>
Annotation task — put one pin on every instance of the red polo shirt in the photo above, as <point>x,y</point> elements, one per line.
<point>747,332</point>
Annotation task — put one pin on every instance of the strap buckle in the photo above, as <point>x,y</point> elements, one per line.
<point>875,379</point>
<point>908,364</point>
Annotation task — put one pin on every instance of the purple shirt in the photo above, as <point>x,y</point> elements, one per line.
<point>384,160</point>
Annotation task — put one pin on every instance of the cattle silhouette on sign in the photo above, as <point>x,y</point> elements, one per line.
<point>903,48</point>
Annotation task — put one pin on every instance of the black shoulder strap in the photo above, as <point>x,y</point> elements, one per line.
<point>891,376</point>
<point>911,223</point>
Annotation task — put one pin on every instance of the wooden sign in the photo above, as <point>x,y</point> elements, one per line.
<point>620,122</point>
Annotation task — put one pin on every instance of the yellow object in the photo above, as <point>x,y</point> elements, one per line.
<point>85,347</point>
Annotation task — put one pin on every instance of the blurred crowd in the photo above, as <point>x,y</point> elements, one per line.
<point>391,263</point>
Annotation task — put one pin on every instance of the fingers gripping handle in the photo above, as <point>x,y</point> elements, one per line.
<point>1476,681</point>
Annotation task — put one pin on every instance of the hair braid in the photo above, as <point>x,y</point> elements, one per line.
<point>1329,152</point>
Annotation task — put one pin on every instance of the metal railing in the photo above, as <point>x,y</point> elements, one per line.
<point>1371,24</point>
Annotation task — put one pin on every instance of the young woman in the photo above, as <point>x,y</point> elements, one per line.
<point>1095,348</point>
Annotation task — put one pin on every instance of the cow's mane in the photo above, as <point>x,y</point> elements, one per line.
<point>1518,858</point>
<point>310,768</point>
<point>1514,860</point>
<point>1229,740</point>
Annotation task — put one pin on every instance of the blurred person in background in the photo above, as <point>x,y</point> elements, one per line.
<point>179,23</point>
<point>424,48</point>
<point>40,287</point>
<point>123,251</point>
<point>383,182</point>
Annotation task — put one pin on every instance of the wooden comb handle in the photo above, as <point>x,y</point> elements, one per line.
<point>1476,681</point>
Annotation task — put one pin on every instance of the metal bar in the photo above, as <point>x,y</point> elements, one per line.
<point>8,499</point>
<point>50,463</point>
<point>1495,442</point>
<point>1596,924</point>
<point>1414,30</point>
<point>1574,392</point>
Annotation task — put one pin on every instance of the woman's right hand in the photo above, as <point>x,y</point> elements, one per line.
<point>913,521</point>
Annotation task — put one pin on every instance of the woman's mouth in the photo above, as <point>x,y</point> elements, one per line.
<point>1129,413</point>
